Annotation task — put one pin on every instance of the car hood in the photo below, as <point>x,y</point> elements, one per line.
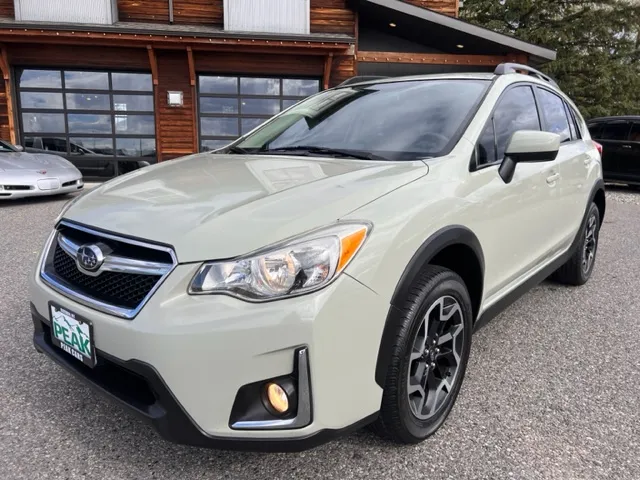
<point>31,161</point>
<point>220,206</point>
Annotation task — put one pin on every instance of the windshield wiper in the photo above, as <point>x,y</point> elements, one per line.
<point>311,150</point>
<point>240,150</point>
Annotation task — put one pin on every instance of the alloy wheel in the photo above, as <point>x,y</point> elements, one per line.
<point>435,357</point>
<point>590,244</point>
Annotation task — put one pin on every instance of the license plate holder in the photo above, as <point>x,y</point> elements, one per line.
<point>72,334</point>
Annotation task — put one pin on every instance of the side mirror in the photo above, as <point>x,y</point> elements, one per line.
<point>19,148</point>
<point>528,146</point>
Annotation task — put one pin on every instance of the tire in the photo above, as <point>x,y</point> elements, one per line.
<point>442,294</point>
<point>579,268</point>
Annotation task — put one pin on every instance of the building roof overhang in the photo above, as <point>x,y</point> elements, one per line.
<point>422,25</point>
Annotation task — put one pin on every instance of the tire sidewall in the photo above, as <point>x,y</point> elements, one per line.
<point>451,286</point>
<point>593,211</point>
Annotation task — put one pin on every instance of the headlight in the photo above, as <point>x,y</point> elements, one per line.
<point>288,269</point>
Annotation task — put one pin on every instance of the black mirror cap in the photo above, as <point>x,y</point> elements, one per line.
<point>534,157</point>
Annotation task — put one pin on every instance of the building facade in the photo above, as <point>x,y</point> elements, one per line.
<point>111,84</point>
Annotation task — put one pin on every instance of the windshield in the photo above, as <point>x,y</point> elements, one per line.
<point>405,120</point>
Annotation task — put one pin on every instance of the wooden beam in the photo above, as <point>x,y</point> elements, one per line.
<point>194,99</point>
<point>434,58</point>
<point>6,75</point>
<point>153,64</point>
<point>328,65</point>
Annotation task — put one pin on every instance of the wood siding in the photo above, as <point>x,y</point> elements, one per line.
<point>207,12</point>
<point>176,127</point>
<point>43,55</point>
<point>7,9</point>
<point>143,11</point>
<point>332,16</point>
<point>262,64</point>
<point>5,133</point>
<point>447,7</point>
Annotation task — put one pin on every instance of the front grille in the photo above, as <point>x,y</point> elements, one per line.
<point>68,184</point>
<point>128,276</point>
<point>17,187</point>
<point>126,290</point>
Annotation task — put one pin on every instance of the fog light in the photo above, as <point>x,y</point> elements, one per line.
<point>277,397</point>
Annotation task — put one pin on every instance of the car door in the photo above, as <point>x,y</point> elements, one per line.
<point>515,224</point>
<point>614,136</point>
<point>629,159</point>
<point>571,166</point>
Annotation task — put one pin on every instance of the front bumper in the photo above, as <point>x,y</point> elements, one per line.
<point>182,360</point>
<point>66,185</point>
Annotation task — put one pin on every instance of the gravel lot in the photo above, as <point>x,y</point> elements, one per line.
<point>551,391</point>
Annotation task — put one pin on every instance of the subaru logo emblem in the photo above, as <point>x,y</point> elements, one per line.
<point>90,258</point>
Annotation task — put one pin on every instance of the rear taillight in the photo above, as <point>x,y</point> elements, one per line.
<point>599,147</point>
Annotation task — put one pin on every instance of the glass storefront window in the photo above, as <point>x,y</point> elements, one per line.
<point>232,106</point>
<point>91,117</point>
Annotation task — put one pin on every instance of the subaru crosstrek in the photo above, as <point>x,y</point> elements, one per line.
<point>327,270</point>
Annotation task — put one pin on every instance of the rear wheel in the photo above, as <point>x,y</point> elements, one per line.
<point>579,268</point>
<point>429,357</point>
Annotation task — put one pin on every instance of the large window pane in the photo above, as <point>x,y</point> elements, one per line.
<point>260,106</point>
<point>208,145</point>
<point>133,103</point>
<point>46,144</point>
<point>135,124</point>
<point>260,86</point>
<point>43,122</point>
<point>218,105</point>
<point>220,85</point>
<point>89,123</point>
<point>249,124</point>
<point>86,80</point>
<point>288,103</point>
<point>41,100</point>
<point>132,81</point>
<point>299,88</point>
<point>91,146</point>
<point>136,147</point>
<point>88,101</point>
<point>40,79</point>
<point>214,126</point>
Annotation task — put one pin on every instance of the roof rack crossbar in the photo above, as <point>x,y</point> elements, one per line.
<point>505,68</point>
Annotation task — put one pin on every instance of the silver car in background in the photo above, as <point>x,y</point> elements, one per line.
<point>28,175</point>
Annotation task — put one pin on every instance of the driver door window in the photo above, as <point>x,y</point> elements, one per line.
<point>516,110</point>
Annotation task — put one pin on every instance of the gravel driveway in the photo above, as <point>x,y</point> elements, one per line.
<point>551,390</point>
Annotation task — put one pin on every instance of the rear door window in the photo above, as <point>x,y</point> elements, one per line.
<point>615,131</point>
<point>555,115</point>
<point>635,132</point>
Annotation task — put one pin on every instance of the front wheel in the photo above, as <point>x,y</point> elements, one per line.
<point>579,267</point>
<point>429,357</point>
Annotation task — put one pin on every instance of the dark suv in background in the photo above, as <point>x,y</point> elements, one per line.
<point>620,138</point>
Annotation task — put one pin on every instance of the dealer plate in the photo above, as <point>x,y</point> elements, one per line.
<point>73,334</point>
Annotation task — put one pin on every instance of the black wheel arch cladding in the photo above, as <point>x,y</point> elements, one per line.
<point>441,241</point>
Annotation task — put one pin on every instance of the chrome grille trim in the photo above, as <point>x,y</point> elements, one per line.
<point>116,263</point>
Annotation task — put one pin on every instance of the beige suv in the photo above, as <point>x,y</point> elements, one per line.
<point>327,270</point>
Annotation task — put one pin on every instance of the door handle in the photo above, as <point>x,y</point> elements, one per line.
<point>626,146</point>
<point>553,178</point>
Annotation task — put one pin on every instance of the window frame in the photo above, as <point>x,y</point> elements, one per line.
<point>473,166</point>
<point>114,159</point>
<point>239,96</point>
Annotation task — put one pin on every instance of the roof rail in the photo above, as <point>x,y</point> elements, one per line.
<point>505,68</point>
<point>360,79</point>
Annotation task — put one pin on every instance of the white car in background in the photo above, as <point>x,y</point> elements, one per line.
<point>29,175</point>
